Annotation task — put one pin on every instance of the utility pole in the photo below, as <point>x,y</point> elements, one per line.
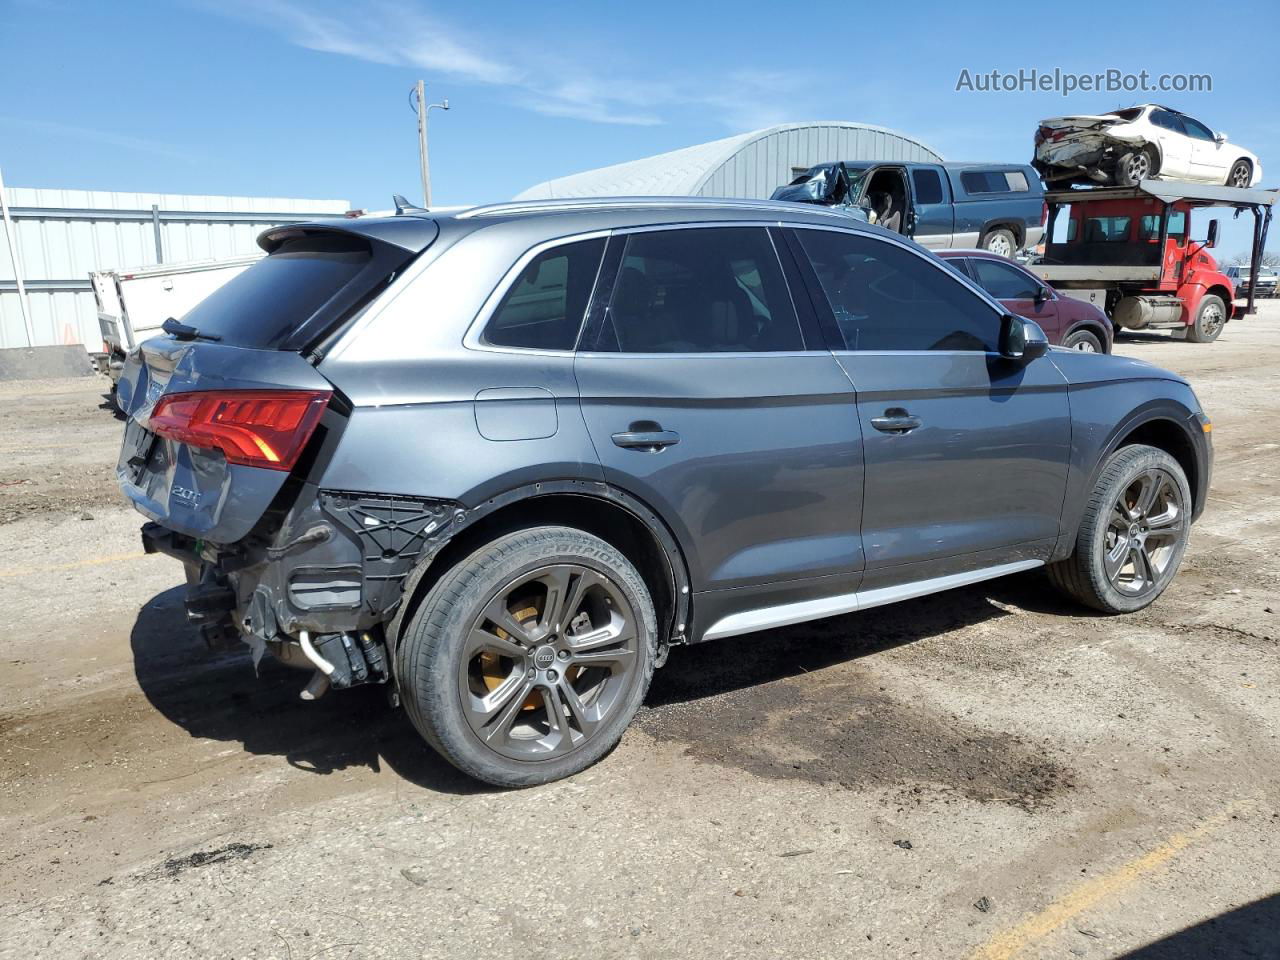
<point>423,108</point>
<point>15,258</point>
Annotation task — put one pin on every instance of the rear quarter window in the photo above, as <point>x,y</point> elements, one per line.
<point>262,306</point>
<point>994,181</point>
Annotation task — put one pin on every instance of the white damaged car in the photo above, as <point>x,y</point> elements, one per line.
<point>1124,147</point>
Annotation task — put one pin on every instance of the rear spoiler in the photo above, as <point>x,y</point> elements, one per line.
<point>409,233</point>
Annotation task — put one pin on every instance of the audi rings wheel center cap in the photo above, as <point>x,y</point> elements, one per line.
<point>544,657</point>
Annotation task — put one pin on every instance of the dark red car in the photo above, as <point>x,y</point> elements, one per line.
<point>1066,321</point>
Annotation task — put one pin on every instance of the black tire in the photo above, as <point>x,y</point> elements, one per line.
<point>1000,241</point>
<point>433,657</point>
<point>1134,166</point>
<point>1084,576</point>
<point>1084,341</point>
<point>1240,174</point>
<point>1210,319</point>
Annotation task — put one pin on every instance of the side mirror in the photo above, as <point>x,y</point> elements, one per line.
<point>1021,339</point>
<point>1042,295</point>
<point>1212,239</point>
<point>1220,137</point>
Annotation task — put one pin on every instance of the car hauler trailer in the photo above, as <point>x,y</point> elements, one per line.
<point>1129,250</point>
<point>133,304</point>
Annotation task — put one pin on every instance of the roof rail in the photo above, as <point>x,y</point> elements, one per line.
<point>569,205</point>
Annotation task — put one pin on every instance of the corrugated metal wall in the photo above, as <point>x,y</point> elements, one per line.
<point>62,235</point>
<point>757,169</point>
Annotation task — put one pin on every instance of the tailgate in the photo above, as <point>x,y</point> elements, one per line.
<point>197,490</point>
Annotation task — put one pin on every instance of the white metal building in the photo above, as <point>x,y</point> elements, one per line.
<point>62,235</point>
<point>750,165</point>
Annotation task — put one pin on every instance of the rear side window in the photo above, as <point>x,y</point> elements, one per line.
<point>994,181</point>
<point>263,305</point>
<point>1004,281</point>
<point>1106,229</point>
<point>888,298</point>
<point>543,310</point>
<point>701,290</point>
<point>928,186</point>
<point>1168,120</point>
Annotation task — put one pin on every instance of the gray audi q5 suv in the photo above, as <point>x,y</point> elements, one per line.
<point>501,460</point>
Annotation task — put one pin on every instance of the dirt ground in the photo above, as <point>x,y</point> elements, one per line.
<point>988,773</point>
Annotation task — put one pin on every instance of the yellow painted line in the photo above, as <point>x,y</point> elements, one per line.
<point>74,565</point>
<point>1010,943</point>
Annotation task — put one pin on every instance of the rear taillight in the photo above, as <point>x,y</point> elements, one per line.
<point>1043,134</point>
<point>1044,213</point>
<point>254,428</point>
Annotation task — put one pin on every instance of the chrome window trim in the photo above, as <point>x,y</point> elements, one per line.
<point>766,618</point>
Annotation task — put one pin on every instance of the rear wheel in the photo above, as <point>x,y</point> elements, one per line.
<point>1000,242</point>
<point>1084,341</point>
<point>526,661</point>
<point>1134,166</point>
<point>1211,317</point>
<point>1133,533</point>
<point>1241,174</point>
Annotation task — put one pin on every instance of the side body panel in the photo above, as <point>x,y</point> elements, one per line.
<point>934,222</point>
<point>984,472</point>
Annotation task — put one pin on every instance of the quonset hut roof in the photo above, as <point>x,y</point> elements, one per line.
<point>748,165</point>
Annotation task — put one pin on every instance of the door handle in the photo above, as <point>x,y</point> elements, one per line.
<point>647,440</point>
<point>896,420</point>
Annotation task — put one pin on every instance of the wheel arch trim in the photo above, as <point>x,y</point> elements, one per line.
<point>677,569</point>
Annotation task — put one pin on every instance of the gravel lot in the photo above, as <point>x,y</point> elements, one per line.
<point>988,773</point>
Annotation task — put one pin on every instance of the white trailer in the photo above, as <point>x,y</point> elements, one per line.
<point>133,304</point>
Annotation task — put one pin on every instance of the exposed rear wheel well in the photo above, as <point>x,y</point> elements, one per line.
<point>603,518</point>
<point>1172,439</point>
<point>1019,231</point>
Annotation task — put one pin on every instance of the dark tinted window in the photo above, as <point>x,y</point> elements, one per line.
<point>1132,113</point>
<point>1150,226</point>
<point>1106,229</point>
<point>1170,121</point>
<point>544,307</point>
<point>994,181</point>
<point>928,186</point>
<point>887,298</point>
<point>1004,281</point>
<point>703,290</point>
<point>263,305</point>
<point>1196,129</point>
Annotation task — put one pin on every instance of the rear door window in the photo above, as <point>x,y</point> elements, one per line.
<point>700,290</point>
<point>263,305</point>
<point>928,186</point>
<point>1004,281</point>
<point>887,298</point>
<point>543,310</point>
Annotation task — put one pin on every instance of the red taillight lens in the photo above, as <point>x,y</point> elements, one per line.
<point>1044,213</point>
<point>255,428</point>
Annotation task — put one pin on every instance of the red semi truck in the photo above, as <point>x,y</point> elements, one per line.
<point>1130,251</point>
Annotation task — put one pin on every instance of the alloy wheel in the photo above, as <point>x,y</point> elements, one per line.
<point>1147,524</point>
<point>1085,346</point>
<point>1240,175</point>
<point>546,660</point>
<point>1139,166</point>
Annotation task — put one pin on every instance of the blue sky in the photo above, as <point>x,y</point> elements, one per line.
<point>310,99</point>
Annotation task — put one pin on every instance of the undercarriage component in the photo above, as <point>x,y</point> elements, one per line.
<point>342,660</point>
<point>1139,313</point>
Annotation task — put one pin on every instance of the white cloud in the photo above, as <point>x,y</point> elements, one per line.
<point>393,33</point>
<point>105,137</point>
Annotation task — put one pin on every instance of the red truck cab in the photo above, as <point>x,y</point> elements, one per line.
<point>1130,251</point>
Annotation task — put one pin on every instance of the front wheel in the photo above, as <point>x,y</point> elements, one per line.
<point>527,660</point>
<point>1241,174</point>
<point>1084,341</point>
<point>1133,533</point>
<point>1211,317</point>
